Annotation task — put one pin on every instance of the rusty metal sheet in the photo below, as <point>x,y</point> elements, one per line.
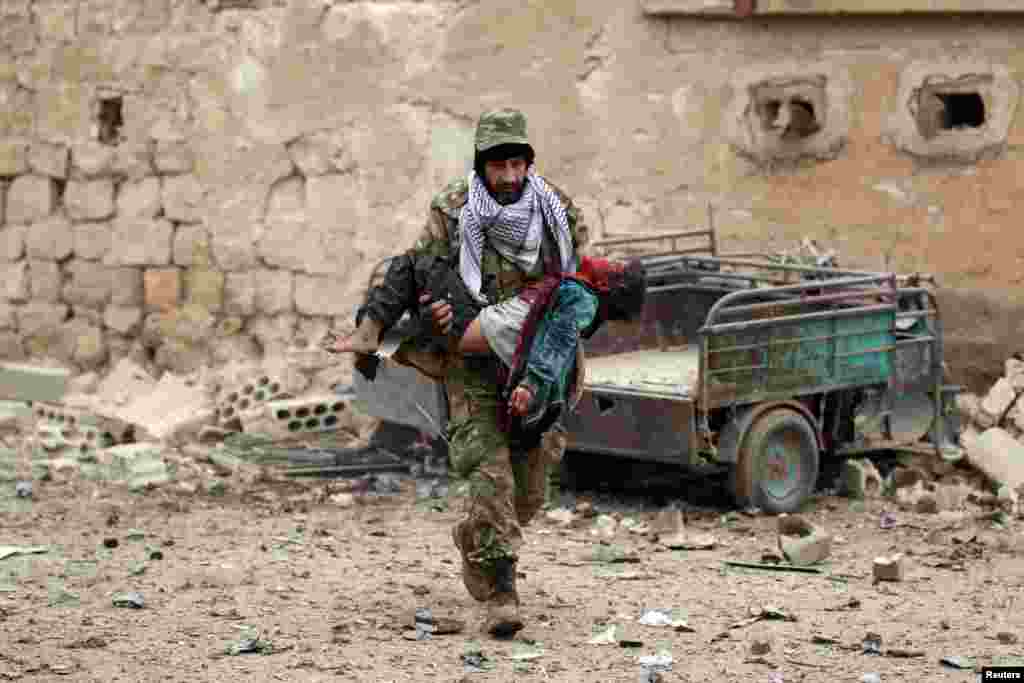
<point>641,427</point>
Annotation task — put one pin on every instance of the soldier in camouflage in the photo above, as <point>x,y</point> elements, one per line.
<point>506,488</point>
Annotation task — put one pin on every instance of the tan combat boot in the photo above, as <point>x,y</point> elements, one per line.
<point>503,619</point>
<point>479,584</point>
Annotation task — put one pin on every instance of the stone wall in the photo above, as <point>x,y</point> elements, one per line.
<point>187,180</point>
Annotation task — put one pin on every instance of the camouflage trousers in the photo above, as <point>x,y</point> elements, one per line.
<point>503,489</point>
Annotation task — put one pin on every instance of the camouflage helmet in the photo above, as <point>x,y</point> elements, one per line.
<point>501,127</point>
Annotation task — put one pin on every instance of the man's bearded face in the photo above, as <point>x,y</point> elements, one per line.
<point>506,179</point>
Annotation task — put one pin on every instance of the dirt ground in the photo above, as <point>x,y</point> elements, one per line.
<point>330,592</point>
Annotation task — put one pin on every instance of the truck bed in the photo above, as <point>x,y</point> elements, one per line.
<point>672,372</point>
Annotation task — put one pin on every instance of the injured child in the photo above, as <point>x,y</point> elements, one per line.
<point>534,333</point>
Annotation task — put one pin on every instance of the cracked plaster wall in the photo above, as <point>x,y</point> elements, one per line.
<point>271,154</point>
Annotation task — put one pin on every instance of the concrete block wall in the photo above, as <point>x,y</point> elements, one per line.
<point>208,179</point>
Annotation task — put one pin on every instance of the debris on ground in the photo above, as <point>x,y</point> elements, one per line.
<point>605,636</point>
<point>861,479</point>
<point>131,599</point>
<point>872,644</point>
<point>665,617</point>
<point>652,666</point>
<point>475,661</point>
<point>801,542</point>
<point>772,566</point>
<point>870,678</point>
<point>763,614</point>
<point>426,624</point>
<point>888,568</point>
<point>249,644</point>
<point>957,662</point>
<point>12,550</point>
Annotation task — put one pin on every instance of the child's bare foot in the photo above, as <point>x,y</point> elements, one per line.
<point>519,402</point>
<point>363,340</point>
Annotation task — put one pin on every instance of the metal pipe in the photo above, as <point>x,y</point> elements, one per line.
<point>722,328</point>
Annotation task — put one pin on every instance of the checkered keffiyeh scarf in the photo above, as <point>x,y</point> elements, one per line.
<point>509,227</point>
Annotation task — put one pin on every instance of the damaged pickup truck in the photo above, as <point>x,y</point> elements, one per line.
<point>749,364</point>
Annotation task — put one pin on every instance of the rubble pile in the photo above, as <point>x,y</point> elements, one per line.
<point>993,436</point>
<point>133,428</point>
<point>986,472</point>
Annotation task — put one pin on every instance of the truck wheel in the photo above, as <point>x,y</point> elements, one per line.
<point>777,464</point>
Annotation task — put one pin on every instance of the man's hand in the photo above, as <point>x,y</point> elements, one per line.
<point>440,312</point>
<point>519,402</point>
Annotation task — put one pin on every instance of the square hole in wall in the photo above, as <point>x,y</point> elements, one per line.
<point>109,119</point>
<point>953,111</point>
<point>952,106</point>
<point>786,118</point>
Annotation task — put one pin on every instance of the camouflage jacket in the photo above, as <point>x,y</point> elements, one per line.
<point>501,278</point>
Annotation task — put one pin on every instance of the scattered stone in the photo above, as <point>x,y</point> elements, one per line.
<point>23,489</point>
<point>132,599</point>
<point>685,541</point>
<point>861,479</point>
<point>605,526</point>
<point>957,662</point>
<point>999,398</point>
<point>888,568</point>
<point>560,516</point>
<point>999,456</point>
<point>1007,638</point>
<point>801,542</point>
<point>584,508</point>
<point>760,647</point>
<point>887,521</point>
<point>343,500</point>
<point>872,644</point>
<point>110,542</point>
<point>606,636</point>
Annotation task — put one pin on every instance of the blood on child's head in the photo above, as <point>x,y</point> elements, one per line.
<point>621,286</point>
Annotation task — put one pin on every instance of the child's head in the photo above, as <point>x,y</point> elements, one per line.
<point>621,286</point>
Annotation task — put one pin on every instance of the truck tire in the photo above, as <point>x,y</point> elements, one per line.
<point>777,464</point>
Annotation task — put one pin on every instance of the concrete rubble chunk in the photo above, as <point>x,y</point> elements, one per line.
<point>861,479</point>
<point>801,542</point>
<point>30,198</point>
<point>888,568</point>
<point>285,419</point>
<point>140,465</point>
<point>1014,373</point>
<point>22,382</point>
<point>49,159</point>
<point>999,457</point>
<point>125,380</point>
<point>89,200</point>
<point>999,398</point>
<point>175,401</point>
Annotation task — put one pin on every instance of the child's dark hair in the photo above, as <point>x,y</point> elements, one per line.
<point>502,153</point>
<point>627,291</point>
